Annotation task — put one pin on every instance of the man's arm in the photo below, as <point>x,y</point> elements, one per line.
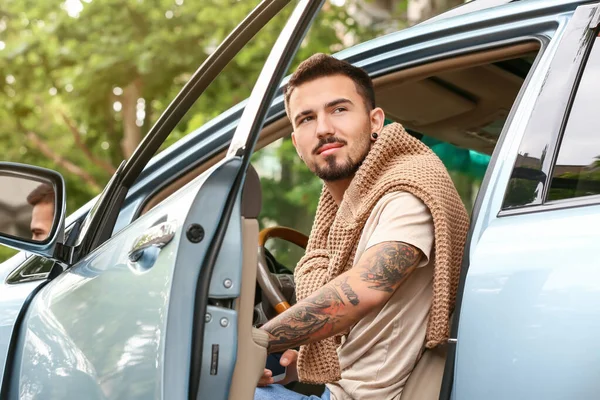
<point>338,305</point>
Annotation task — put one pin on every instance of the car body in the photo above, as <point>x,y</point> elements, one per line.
<point>527,309</point>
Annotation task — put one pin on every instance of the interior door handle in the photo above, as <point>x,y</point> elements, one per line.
<point>158,236</point>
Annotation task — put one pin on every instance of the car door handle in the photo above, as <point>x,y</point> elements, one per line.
<point>157,236</point>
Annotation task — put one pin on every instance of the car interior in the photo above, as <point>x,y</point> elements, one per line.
<point>463,101</point>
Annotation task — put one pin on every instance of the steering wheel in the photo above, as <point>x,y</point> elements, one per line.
<point>265,279</point>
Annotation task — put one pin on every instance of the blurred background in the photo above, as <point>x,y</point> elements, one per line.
<point>82,82</point>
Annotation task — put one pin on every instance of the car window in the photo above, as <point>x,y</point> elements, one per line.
<point>473,104</point>
<point>290,192</point>
<point>576,171</point>
<point>532,173</point>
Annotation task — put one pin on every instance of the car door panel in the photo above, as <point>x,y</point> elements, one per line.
<point>527,315</point>
<point>97,324</point>
<point>99,330</point>
<point>526,276</point>
<point>183,333</point>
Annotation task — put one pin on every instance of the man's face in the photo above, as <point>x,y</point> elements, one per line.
<point>332,126</point>
<point>41,220</point>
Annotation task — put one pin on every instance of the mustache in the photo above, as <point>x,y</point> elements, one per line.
<point>328,140</point>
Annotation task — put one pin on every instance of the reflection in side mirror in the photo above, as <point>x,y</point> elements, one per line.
<point>32,210</point>
<point>27,207</point>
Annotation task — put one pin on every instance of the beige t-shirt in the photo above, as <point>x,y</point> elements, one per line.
<point>382,348</point>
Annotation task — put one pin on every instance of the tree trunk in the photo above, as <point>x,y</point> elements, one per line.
<point>132,134</point>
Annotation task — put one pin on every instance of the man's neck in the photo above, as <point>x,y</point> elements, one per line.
<point>338,188</point>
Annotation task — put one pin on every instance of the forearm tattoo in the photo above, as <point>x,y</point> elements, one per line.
<point>390,265</point>
<point>347,289</point>
<point>319,315</point>
<point>316,313</point>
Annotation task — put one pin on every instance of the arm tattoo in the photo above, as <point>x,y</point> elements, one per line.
<point>324,312</point>
<point>347,289</point>
<point>390,265</point>
<point>320,311</point>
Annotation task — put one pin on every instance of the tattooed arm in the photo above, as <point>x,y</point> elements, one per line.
<point>342,302</point>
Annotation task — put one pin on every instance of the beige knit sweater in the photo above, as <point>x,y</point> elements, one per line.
<point>396,162</point>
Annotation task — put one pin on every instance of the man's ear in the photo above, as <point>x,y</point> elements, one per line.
<point>377,119</point>
<point>296,147</point>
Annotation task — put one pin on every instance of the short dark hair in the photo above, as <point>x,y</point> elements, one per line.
<point>44,193</point>
<point>321,65</point>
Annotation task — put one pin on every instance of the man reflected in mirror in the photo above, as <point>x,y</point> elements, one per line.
<point>42,200</point>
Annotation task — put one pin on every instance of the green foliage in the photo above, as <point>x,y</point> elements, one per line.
<point>64,65</point>
<point>67,65</point>
<point>70,70</point>
<point>290,195</point>
<point>6,253</point>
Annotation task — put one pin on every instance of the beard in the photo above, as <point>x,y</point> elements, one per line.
<point>334,171</point>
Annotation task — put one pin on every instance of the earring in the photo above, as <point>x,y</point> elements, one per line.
<point>374,135</point>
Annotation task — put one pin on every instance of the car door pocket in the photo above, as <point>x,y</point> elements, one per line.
<point>146,247</point>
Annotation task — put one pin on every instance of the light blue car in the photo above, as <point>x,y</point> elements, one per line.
<point>149,291</point>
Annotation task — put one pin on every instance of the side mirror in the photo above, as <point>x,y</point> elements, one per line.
<point>32,208</point>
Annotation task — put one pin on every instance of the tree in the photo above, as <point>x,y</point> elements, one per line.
<point>81,82</point>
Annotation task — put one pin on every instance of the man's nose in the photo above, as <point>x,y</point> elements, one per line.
<point>324,127</point>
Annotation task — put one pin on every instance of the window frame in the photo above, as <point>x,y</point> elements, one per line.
<point>589,199</point>
<point>569,44</point>
<point>227,121</point>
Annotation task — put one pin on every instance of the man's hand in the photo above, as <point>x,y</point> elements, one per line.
<point>338,305</point>
<point>288,359</point>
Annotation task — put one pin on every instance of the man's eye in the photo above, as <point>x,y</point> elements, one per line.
<point>305,119</point>
<point>339,110</point>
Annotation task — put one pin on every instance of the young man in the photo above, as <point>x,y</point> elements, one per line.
<point>42,215</point>
<point>365,284</point>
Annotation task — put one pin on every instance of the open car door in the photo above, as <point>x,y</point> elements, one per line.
<point>159,309</point>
